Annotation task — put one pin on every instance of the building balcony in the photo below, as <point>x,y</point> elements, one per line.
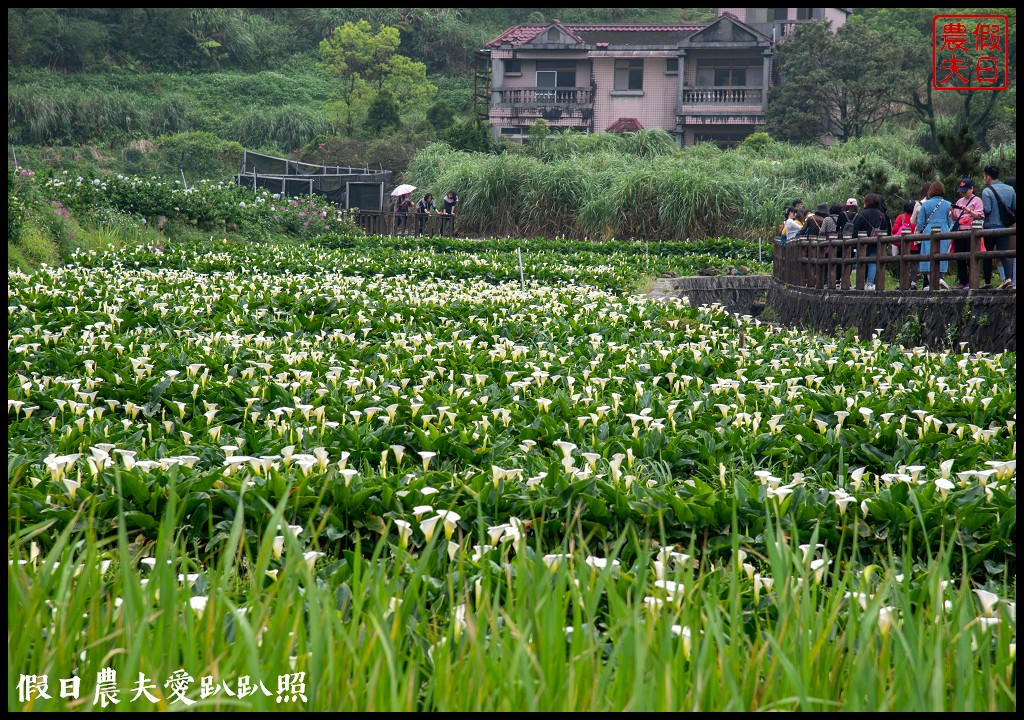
<point>578,98</point>
<point>723,96</point>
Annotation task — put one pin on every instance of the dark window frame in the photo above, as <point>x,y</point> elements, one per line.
<point>629,74</point>
<point>565,75</point>
<point>725,72</point>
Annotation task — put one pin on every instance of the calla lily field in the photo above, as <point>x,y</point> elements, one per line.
<point>414,476</point>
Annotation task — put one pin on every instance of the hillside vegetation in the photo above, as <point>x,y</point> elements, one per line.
<point>178,94</point>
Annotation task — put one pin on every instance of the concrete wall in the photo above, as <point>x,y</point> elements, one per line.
<point>654,108</point>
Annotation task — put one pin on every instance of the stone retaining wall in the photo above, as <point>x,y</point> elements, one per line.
<point>986,320</point>
<point>740,294</point>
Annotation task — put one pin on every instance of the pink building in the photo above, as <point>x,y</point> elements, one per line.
<point>698,82</point>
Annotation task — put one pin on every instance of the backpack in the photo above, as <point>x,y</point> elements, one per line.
<point>876,230</point>
<point>848,225</point>
<point>1008,216</point>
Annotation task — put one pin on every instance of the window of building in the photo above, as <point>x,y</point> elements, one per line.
<point>766,15</point>
<point>554,35</point>
<point>672,66</point>
<point>730,77</point>
<point>629,74</point>
<point>513,67</point>
<point>554,74</point>
<point>803,14</point>
<point>728,72</point>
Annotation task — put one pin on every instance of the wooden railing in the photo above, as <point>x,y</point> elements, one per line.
<point>817,262</point>
<point>384,222</point>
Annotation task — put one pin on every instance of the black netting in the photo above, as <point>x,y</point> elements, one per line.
<point>333,182</point>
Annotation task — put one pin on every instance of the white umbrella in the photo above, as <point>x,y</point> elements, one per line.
<point>402,190</point>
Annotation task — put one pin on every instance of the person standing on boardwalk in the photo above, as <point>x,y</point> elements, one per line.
<point>995,218</point>
<point>423,209</point>
<point>934,214</point>
<point>402,206</point>
<point>448,212</point>
<point>967,209</point>
<point>873,222</point>
<point>794,222</point>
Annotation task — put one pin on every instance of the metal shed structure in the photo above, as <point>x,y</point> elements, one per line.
<point>343,185</point>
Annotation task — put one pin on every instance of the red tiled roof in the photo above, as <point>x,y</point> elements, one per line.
<point>522,34</point>
<point>625,125</point>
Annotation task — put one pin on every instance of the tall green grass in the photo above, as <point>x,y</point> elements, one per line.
<point>381,630</point>
<point>641,186</point>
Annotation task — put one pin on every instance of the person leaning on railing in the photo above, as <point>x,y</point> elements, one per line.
<point>448,213</point>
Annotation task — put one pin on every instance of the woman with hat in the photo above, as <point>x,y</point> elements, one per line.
<point>968,208</point>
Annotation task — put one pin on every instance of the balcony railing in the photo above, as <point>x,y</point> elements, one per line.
<point>722,96</point>
<point>545,97</point>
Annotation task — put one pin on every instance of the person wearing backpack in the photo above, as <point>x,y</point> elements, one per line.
<point>999,201</point>
<point>830,229</point>
<point>873,222</point>
<point>934,214</point>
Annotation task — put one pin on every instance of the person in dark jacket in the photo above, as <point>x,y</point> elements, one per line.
<point>873,222</point>
<point>994,219</point>
<point>831,228</point>
<point>846,216</point>
<point>402,206</point>
<point>423,209</point>
<point>448,213</point>
<point>813,222</point>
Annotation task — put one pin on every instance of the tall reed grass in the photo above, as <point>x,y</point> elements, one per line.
<point>639,186</point>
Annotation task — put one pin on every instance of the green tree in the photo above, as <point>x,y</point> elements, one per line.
<point>383,112</point>
<point>847,83</point>
<point>468,135</point>
<point>366,64</point>
<point>439,115</point>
